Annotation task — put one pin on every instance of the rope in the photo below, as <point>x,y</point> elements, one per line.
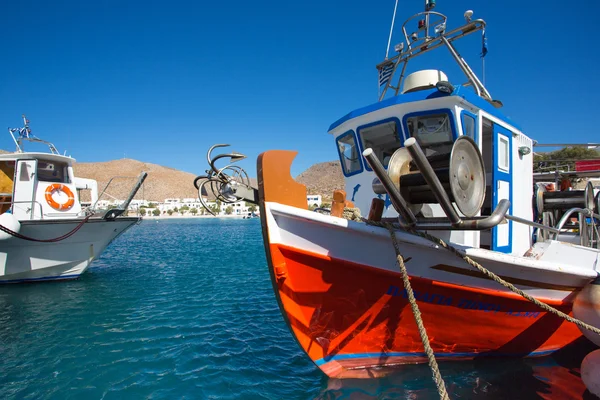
<point>461,254</point>
<point>354,214</point>
<point>437,377</point>
<point>58,239</point>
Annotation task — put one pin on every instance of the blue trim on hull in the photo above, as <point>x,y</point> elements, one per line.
<point>325,360</point>
<point>48,278</point>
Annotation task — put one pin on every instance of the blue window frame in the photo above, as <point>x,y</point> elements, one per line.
<point>349,153</point>
<point>469,125</point>
<point>431,127</point>
<point>384,137</point>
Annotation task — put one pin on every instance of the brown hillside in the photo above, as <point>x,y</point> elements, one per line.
<point>161,183</point>
<point>164,182</point>
<point>323,178</point>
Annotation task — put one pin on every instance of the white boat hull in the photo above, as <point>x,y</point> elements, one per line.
<point>27,261</point>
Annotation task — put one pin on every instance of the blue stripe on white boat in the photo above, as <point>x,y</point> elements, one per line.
<point>421,95</point>
<point>49,278</point>
<point>336,357</point>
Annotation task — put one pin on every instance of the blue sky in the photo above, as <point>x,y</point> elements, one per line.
<point>161,81</point>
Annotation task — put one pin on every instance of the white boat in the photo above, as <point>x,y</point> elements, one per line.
<point>46,231</point>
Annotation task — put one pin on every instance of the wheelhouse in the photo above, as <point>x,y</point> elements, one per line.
<point>436,117</point>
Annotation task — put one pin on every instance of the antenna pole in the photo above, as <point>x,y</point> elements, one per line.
<point>391,30</point>
<point>483,69</point>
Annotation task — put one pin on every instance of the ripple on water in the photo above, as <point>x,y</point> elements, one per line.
<point>183,309</point>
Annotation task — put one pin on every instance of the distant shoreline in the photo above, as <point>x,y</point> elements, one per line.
<point>190,216</point>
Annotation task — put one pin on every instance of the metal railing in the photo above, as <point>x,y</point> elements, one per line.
<point>31,203</point>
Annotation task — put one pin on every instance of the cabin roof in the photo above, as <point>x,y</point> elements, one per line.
<point>459,91</point>
<point>38,156</point>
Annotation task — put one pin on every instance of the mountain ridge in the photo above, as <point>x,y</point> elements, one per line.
<point>167,182</point>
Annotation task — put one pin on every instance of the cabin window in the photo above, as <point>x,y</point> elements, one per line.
<point>431,129</point>
<point>349,155</point>
<point>382,137</point>
<point>52,171</point>
<point>468,126</point>
<point>503,153</point>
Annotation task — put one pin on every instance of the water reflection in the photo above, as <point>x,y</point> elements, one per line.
<point>555,377</point>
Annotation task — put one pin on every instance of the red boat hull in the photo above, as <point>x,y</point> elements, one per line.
<point>352,319</point>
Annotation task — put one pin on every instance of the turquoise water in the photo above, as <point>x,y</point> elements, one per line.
<point>184,309</point>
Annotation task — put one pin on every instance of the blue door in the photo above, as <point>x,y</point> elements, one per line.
<point>502,185</point>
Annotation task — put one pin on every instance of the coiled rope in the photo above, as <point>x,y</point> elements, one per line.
<point>353,214</point>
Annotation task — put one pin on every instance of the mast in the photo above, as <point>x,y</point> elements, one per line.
<point>430,33</point>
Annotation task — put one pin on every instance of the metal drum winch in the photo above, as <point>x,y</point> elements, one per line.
<point>461,174</point>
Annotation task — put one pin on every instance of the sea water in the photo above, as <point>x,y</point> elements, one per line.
<point>184,309</point>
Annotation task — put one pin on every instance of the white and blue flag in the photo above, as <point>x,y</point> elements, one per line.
<point>385,73</point>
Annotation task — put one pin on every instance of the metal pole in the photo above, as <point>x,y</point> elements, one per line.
<point>397,200</point>
<point>391,30</point>
<point>483,69</point>
<point>460,63</point>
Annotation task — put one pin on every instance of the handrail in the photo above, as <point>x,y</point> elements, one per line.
<point>585,240</point>
<point>416,45</point>
<point>32,202</point>
<point>532,224</point>
<point>568,213</point>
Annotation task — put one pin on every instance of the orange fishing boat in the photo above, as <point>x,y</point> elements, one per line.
<point>440,160</point>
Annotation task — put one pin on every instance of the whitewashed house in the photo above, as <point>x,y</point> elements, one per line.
<point>314,200</point>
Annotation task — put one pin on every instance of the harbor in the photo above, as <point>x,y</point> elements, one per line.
<point>151,319</point>
<point>240,209</point>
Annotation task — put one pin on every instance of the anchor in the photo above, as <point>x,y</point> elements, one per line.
<point>228,184</point>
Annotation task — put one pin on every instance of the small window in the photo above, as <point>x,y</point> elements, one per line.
<point>383,138</point>
<point>349,155</point>
<point>468,126</point>
<point>431,130</point>
<point>52,171</point>
<point>503,153</point>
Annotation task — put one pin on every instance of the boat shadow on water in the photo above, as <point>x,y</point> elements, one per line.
<point>552,377</point>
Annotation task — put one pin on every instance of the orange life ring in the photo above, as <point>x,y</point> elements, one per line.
<point>55,187</point>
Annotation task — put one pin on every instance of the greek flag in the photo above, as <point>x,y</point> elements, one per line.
<point>25,132</point>
<point>484,47</point>
<point>385,73</point>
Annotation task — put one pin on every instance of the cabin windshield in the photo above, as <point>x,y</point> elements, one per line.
<point>53,171</point>
<point>382,137</point>
<point>434,132</point>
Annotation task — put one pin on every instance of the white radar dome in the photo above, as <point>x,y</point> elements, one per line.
<point>421,80</point>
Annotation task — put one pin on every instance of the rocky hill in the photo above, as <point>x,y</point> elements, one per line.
<point>164,182</point>
<point>161,183</point>
<point>323,178</point>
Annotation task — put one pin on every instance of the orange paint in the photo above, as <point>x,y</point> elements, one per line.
<point>275,182</point>
<point>343,313</point>
<point>351,319</point>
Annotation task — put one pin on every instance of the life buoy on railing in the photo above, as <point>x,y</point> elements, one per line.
<point>59,187</point>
